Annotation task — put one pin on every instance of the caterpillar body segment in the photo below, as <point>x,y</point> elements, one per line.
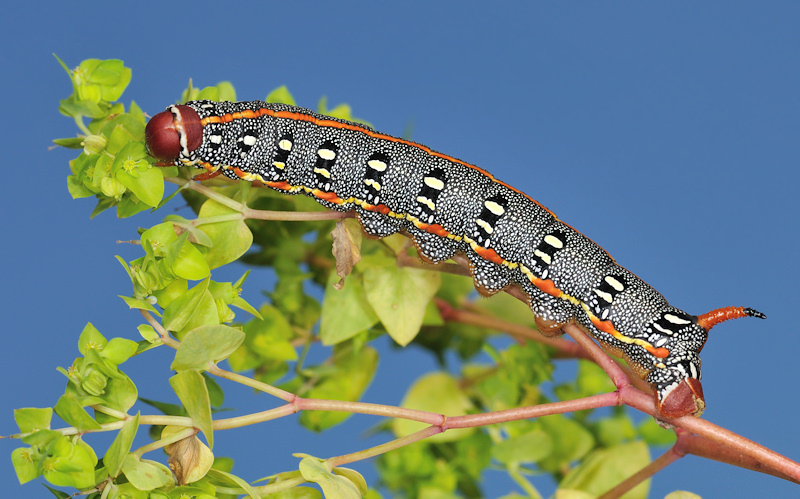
<point>450,206</point>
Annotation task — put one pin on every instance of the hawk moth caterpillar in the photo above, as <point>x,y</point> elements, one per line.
<point>449,206</point>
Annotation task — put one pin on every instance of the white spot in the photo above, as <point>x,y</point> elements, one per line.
<point>660,342</point>
<point>322,171</point>
<point>372,183</point>
<point>614,283</point>
<point>206,106</point>
<point>285,144</point>
<point>605,296</point>
<point>543,256</point>
<point>427,202</point>
<point>326,154</point>
<point>494,208</point>
<point>676,320</point>
<point>434,183</point>
<point>484,225</point>
<point>605,313</point>
<point>694,372</point>
<point>377,165</point>
<point>554,241</point>
<point>665,331</point>
<point>215,139</point>
<point>249,140</point>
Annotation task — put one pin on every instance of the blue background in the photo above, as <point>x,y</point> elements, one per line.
<point>668,133</point>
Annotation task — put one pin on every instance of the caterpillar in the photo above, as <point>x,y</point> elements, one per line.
<point>449,206</point>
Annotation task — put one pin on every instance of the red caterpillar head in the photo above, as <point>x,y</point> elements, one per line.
<point>677,383</point>
<point>173,133</point>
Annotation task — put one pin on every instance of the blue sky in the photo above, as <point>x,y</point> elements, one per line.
<point>668,133</point>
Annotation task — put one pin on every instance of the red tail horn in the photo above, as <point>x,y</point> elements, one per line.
<point>711,319</point>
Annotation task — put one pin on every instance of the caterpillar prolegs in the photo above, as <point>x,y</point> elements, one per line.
<point>450,206</point>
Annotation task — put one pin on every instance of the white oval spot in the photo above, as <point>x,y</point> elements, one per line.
<point>665,331</point>
<point>427,202</point>
<point>484,225</point>
<point>614,283</point>
<point>543,256</point>
<point>326,154</point>
<point>285,144</point>
<point>603,295</point>
<point>553,241</point>
<point>494,208</point>
<point>322,171</point>
<point>215,139</point>
<point>377,165</point>
<point>371,183</point>
<point>676,320</point>
<point>434,183</point>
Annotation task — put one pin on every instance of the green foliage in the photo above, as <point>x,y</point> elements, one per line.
<point>172,279</point>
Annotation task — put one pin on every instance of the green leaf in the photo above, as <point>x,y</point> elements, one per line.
<point>101,80</point>
<point>118,350</point>
<point>26,464</point>
<point>682,494</point>
<point>91,338</point>
<point>116,453</point>
<point>234,481</point>
<point>352,374</point>
<point>333,486</point>
<point>355,477</point>
<point>147,185</point>
<point>438,393</point>
<point>189,263</point>
<point>120,392</point>
<point>216,396</point>
<point>270,338</point>
<point>144,474</point>
<point>602,469</point>
<point>172,291</point>
<point>41,437</point>
<point>399,296</point>
<point>206,345</point>
<point>33,419</point>
<point>281,95</point>
<point>139,304</point>
<point>345,312</point>
<point>654,434</point>
<point>69,464</point>
<point>592,379</point>
<point>73,414</point>
<point>571,441</point>
<point>178,313</point>
<point>526,448</point>
<point>192,391</point>
<point>615,430</point>
<point>230,239</point>
<point>57,493</point>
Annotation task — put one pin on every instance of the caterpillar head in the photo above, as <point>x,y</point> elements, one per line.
<point>677,380</point>
<point>173,133</point>
<point>678,388</point>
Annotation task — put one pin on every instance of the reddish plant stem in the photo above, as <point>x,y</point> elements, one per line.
<point>450,314</point>
<point>759,457</point>
<point>703,447</point>
<point>618,377</point>
<point>713,441</point>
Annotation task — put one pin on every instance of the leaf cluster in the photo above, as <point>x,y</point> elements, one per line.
<point>337,302</point>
